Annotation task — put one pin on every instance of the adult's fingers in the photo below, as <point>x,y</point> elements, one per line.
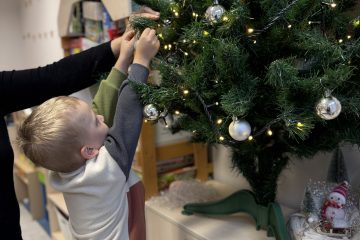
<point>146,9</point>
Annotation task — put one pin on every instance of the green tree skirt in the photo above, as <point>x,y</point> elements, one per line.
<point>269,218</point>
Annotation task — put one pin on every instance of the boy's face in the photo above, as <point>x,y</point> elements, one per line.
<point>96,129</point>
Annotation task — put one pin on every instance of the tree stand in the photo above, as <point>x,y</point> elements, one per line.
<point>269,218</point>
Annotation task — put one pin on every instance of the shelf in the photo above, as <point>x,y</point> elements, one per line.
<point>58,236</point>
<point>57,199</point>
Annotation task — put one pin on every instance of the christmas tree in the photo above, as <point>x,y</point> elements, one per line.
<point>337,172</point>
<point>268,79</point>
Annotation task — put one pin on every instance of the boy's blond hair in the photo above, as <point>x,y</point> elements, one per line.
<point>51,137</point>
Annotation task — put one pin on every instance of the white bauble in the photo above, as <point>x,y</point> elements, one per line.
<point>214,13</point>
<point>328,108</point>
<point>239,130</point>
<point>151,112</point>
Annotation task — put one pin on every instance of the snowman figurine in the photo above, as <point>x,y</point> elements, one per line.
<point>332,210</point>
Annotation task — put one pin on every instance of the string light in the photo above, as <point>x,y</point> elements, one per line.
<point>299,125</point>
<point>219,121</point>
<point>194,41</point>
<point>177,112</point>
<point>186,54</point>
<point>169,46</point>
<point>289,26</point>
<point>356,22</point>
<point>206,33</point>
<point>186,92</point>
<point>254,41</point>
<point>250,30</point>
<point>340,40</point>
<point>225,19</point>
<point>348,36</point>
<point>251,138</point>
<point>221,138</point>
<point>176,14</point>
<point>145,121</point>
<point>167,126</point>
<point>216,103</point>
<point>333,5</point>
<point>194,14</point>
<point>165,47</point>
<point>269,132</point>
<point>161,36</point>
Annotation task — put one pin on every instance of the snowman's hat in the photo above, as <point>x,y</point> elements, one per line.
<point>342,188</point>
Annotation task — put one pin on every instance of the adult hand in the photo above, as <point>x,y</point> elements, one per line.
<point>143,12</point>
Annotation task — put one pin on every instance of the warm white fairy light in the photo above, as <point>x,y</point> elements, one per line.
<point>251,138</point>
<point>186,54</point>
<point>161,36</point>
<point>194,41</point>
<point>176,14</point>
<point>167,126</point>
<point>225,19</point>
<point>269,132</point>
<point>177,112</point>
<point>250,30</point>
<point>194,14</point>
<point>145,121</point>
<point>216,103</point>
<point>219,121</point>
<point>348,36</point>
<point>254,41</point>
<point>289,26</point>
<point>333,5</point>
<point>169,46</point>
<point>340,40</point>
<point>165,47</point>
<point>221,138</point>
<point>186,92</point>
<point>299,124</point>
<point>309,22</point>
<point>206,33</point>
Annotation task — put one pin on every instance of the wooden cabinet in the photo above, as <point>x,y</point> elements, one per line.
<point>26,181</point>
<point>149,154</point>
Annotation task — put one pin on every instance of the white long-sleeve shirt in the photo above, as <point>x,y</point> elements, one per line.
<point>96,193</point>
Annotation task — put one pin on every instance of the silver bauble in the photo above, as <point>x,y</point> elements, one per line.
<point>239,130</point>
<point>328,108</point>
<point>151,112</point>
<point>214,13</point>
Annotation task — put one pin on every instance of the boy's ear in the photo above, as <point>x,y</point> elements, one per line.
<point>88,152</point>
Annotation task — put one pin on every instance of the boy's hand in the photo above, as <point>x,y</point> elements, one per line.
<point>146,47</point>
<point>126,52</point>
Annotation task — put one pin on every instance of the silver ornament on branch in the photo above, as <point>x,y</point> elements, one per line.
<point>328,108</point>
<point>214,13</point>
<point>239,130</point>
<point>151,112</point>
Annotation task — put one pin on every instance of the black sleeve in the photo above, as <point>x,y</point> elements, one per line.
<point>27,88</point>
<point>124,134</point>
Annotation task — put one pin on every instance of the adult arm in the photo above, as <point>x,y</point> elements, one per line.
<point>26,88</point>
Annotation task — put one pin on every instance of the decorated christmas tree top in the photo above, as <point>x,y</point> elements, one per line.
<point>268,79</point>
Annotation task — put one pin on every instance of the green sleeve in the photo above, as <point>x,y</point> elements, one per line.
<point>105,100</point>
